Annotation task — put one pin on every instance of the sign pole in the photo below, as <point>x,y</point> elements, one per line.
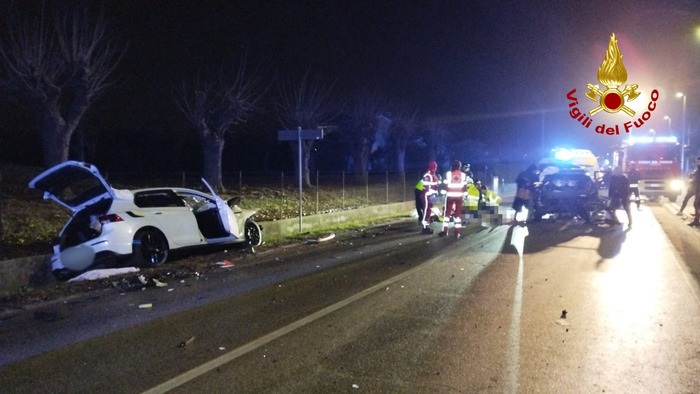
<point>301,198</point>
<point>298,135</point>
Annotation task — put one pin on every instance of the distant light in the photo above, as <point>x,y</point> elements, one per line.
<point>648,139</point>
<point>697,33</point>
<point>563,154</point>
<point>680,94</point>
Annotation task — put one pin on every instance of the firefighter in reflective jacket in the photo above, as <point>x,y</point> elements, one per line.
<point>429,194</point>
<point>455,184</point>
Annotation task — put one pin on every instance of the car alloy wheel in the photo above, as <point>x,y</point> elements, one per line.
<point>253,233</point>
<point>150,248</point>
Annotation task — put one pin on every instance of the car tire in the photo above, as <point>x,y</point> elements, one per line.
<point>253,233</point>
<point>150,248</point>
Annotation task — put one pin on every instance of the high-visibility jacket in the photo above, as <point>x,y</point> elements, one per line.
<point>473,197</point>
<point>430,183</point>
<point>455,184</point>
<point>490,198</point>
<point>419,185</point>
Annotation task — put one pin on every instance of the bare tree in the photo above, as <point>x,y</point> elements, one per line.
<point>436,133</point>
<point>363,117</point>
<point>214,107</point>
<point>306,103</point>
<point>58,64</point>
<point>403,128</point>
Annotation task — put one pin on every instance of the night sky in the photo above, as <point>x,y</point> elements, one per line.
<point>500,71</point>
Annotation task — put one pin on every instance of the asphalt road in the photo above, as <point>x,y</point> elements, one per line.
<point>552,307</point>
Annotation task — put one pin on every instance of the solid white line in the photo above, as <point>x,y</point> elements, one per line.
<point>253,345</point>
<point>514,332</point>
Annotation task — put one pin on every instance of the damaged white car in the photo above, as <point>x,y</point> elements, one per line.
<point>142,226</point>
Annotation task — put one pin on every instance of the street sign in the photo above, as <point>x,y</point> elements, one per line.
<point>306,134</point>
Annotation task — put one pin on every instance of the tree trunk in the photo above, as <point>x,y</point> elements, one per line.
<point>306,146</point>
<point>361,158</point>
<point>55,137</point>
<point>212,150</point>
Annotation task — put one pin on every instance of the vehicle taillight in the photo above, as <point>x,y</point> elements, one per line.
<point>111,218</point>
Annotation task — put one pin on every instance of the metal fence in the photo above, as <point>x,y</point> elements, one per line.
<point>374,188</point>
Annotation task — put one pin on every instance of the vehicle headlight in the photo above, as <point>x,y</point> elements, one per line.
<point>677,184</point>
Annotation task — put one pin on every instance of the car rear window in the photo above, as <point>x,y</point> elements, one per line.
<point>157,199</point>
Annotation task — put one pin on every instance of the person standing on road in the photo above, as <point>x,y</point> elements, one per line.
<point>633,176</point>
<point>419,200</point>
<point>696,189</point>
<point>456,184</point>
<point>619,194</point>
<point>525,184</point>
<point>688,194</point>
<point>430,189</point>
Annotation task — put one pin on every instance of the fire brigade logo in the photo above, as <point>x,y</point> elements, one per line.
<point>612,74</point>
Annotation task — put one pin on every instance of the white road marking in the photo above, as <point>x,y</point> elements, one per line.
<point>253,345</point>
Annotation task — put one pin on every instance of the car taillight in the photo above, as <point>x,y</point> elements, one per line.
<point>96,222</point>
<point>111,218</point>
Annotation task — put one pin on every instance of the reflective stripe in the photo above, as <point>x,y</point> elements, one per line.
<point>454,194</point>
<point>634,185</point>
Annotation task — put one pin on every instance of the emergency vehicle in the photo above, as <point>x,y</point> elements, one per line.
<point>657,159</point>
<point>582,158</point>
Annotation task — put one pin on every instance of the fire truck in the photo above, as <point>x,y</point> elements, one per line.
<point>658,161</point>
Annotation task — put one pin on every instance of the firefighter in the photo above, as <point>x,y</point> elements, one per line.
<point>429,194</point>
<point>455,182</point>
<point>634,176</point>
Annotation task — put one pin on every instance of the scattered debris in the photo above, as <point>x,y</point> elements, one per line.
<point>563,314</point>
<point>322,239</point>
<point>103,273</point>
<point>145,306</point>
<point>159,283</point>
<point>225,264</point>
<point>355,386</point>
<point>188,341</point>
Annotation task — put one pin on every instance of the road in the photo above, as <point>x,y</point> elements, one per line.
<point>551,307</point>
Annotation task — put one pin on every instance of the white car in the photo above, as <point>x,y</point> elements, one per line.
<point>143,225</point>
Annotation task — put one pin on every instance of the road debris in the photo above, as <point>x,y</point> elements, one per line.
<point>187,342</point>
<point>321,239</point>
<point>103,273</point>
<point>145,306</point>
<point>225,264</point>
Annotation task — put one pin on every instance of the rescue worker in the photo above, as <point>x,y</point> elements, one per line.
<point>429,194</point>
<point>473,196</point>
<point>634,177</point>
<point>688,194</point>
<point>525,188</point>
<point>489,198</point>
<point>419,200</point>
<point>455,184</point>
<point>619,195</point>
<point>696,186</point>
<point>488,204</point>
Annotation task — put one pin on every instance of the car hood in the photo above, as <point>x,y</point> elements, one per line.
<point>73,185</point>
